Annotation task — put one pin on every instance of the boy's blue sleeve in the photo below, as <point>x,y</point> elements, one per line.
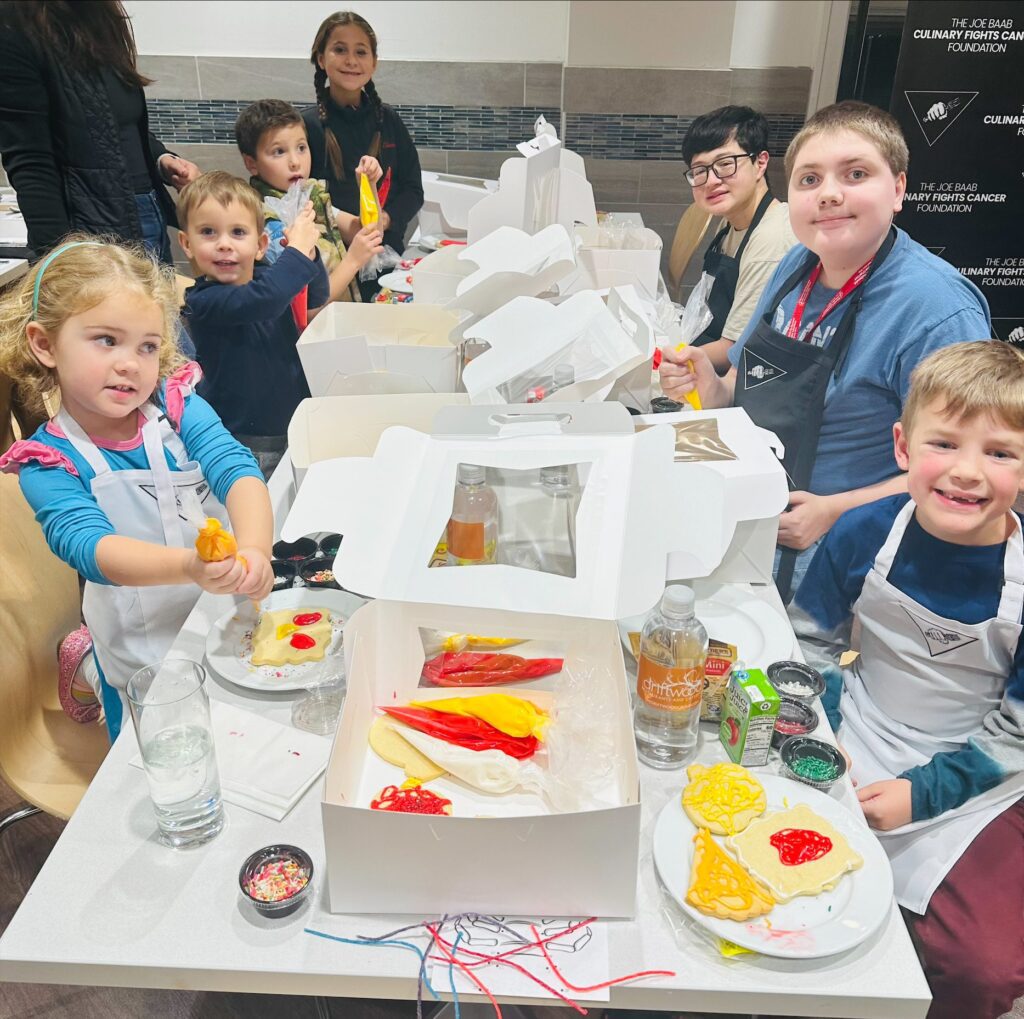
<point>994,755</point>
<point>266,297</point>
<point>222,457</point>
<point>70,517</point>
<point>274,229</point>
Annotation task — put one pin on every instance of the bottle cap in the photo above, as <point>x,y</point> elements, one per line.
<point>472,474</point>
<point>677,600</point>
<point>565,375</point>
<point>555,476</point>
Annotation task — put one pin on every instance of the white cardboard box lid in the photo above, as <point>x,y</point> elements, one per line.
<point>326,427</point>
<point>527,331</point>
<point>455,195</point>
<point>395,515</point>
<point>714,496</point>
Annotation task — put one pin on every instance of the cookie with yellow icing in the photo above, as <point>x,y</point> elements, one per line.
<point>291,636</point>
<point>795,852</point>
<point>720,887</point>
<point>724,798</point>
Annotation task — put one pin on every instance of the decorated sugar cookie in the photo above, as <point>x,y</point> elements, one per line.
<point>291,636</point>
<point>387,741</point>
<point>720,887</point>
<point>794,852</point>
<point>724,798</point>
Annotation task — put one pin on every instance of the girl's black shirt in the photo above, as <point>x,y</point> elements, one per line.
<point>354,127</point>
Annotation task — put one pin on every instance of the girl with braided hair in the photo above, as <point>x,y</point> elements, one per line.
<point>349,122</point>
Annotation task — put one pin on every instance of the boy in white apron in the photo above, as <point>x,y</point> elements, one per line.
<point>931,714</point>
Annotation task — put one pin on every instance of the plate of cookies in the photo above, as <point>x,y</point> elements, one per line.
<point>770,864</point>
<point>283,648</point>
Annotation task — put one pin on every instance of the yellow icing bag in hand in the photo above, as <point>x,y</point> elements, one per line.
<point>514,716</point>
<point>214,544</point>
<point>369,206</point>
<point>692,397</point>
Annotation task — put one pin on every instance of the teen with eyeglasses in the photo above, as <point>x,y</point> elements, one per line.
<point>726,151</point>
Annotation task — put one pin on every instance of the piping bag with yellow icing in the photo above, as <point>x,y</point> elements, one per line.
<point>214,544</point>
<point>514,716</point>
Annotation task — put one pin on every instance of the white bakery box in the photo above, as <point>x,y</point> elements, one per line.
<point>473,281</point>
<point>544,184</point>
<point>328,427</point>
<point>602,341</point>
<point>517,854</point>
<point>613,258</point>
<point>347,344</point>
<point>728,480</point>
<point>447,199</point>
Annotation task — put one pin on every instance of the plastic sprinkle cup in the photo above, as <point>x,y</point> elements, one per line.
<point>812,762</point>
<point>796,680</point>
<point>276,879</point>
<point>794,719</point>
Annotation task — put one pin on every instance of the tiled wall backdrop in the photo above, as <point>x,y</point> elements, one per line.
<point>466,118</point>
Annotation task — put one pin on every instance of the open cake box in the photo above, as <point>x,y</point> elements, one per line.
<point>516,852</point>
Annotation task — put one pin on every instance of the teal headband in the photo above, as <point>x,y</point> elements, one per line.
<point>46,262</point>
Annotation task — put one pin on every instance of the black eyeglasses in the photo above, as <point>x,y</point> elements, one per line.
<point>723,166</point>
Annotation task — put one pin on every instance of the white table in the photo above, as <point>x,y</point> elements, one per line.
<point>112,906</point>
<point>12,269</point>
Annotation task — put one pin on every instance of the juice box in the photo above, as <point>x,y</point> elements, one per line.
<point>748,717</point>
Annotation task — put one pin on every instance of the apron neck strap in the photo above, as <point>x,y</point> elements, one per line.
<point>166,500</point>
<point>81,442</point>
<point>1011,599</point>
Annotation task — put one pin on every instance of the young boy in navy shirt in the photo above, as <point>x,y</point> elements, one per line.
<point>239,311</point>
<point>931,713</point>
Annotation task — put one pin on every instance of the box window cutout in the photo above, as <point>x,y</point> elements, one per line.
<point>514,517</point>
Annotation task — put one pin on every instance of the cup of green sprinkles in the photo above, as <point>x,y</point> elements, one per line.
<point>812,762</point>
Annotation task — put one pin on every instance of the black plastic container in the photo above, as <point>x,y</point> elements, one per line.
<point>329,545</point>
<point>270,855</point>
<point>798,748</point>
<point>794,719</point>
<point>312,567</point>
<point>284,574</point>
<point>294,551</point>
<point>796,681</point>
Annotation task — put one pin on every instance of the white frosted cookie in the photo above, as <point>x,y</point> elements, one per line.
<point>724,798</point>
<point>794,852</point>
<point>291,636</point>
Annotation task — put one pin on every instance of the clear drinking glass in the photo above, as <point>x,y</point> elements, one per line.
<point>171,714</point>
<point>319,709</point>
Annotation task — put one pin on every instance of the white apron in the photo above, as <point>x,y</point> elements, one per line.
<point>135,626</point>
<point>921,686</point>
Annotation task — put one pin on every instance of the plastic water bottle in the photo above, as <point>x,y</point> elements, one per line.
<point>473,527</point>
<point>670,681</point>
<point>562,494</point>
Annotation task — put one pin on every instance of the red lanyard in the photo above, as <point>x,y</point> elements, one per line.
<point>793,328</point>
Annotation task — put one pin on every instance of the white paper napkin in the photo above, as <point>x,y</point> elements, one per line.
<point>264,766</point>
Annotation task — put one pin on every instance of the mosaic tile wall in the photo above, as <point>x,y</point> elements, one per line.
<point>474,129</point>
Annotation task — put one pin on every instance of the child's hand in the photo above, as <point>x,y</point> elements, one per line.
<point>369,167</point>
<point>684,370</point>
<point>259,581</point>
<point>886,804</point>
<point>303,233</point>
<point>808,518</point>
<point>367,243</point>
<point>217,578</point>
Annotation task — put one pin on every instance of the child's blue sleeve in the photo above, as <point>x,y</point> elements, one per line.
<point>222,457</point>
<point>274,229</point>
<point>320,287</point>
<point>995,754</point>
<point>266,297</point>
<point>70,517</point>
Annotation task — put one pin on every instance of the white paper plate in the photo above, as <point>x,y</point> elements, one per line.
<point>397,281</point>
<point>761,635</point>
<point>807,927</point>
<point>229,643</point>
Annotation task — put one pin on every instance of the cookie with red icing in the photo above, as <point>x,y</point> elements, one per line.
<point>291,636</point>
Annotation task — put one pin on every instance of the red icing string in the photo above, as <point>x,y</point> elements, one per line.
<point>410,801</point>
<point>302,641</point>
<point>594,987</point>
<point>462,966</point>
<point>307,618</point>
<point>800,845</point>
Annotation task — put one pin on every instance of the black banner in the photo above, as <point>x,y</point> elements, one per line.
<point>959,97</point>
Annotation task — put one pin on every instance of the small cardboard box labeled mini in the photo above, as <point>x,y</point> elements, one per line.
<point>476,280</point>
<point>346,345</point>
<point>601,342</point>
<point>516,852</point>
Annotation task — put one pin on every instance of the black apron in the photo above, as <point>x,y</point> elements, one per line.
<point>781,383</point>
<point>725,270</point>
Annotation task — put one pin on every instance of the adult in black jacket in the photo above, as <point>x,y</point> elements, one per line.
<point>349,121</point>
<point>74,133</point>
